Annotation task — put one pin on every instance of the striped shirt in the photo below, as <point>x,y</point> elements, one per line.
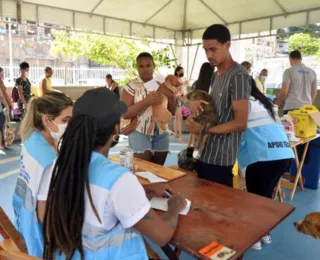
<point>234,84</point>
<point>136,89</point>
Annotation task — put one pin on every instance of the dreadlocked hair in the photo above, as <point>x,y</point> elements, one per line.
<point>257,94</point>
<point>64,216</point>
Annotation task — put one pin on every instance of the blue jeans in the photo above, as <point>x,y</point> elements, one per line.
<point>140,143</point>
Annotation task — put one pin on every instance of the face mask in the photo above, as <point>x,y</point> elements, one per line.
<point>181,75</point>
<point>263,78</point>
<point>57,135</point>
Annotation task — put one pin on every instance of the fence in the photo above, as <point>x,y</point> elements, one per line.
<point>66,75</point>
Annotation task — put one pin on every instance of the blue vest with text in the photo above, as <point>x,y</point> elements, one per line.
<point>36,156</point>
<point>99,243</point>
<point>264,139</point>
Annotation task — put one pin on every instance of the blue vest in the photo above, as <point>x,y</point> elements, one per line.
<point>36,156</point>
<point>264,139</point>
<point>99,243</point>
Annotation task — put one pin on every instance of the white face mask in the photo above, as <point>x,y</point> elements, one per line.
<point>263,78</point>
<point>57,135</point>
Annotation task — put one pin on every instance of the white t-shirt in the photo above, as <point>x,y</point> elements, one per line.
<point>127,201</point>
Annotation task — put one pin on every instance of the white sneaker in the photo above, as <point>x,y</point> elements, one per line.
<point>267,239</point>
<point>257,246</point>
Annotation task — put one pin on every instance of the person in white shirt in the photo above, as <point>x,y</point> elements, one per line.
<point>94,208</point>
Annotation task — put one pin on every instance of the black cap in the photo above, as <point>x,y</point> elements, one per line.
<point>101,104</point>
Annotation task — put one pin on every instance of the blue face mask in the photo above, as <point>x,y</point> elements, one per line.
<point>264,78</point>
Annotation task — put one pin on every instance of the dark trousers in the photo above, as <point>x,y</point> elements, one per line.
<point>215,173</point>
<point>2,123</point>
<point>263,177</point>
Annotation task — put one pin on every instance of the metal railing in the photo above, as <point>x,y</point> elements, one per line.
<point>65,75</point>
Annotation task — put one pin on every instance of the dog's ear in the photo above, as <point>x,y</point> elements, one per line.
<point>309,228</point>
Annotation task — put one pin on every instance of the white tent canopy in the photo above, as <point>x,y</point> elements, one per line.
<point>164,19</point>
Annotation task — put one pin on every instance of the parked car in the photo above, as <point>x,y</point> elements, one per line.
<point>91,82</point>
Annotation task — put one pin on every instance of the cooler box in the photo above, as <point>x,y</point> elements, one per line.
<point>305,117</point>
<point>311,167</point>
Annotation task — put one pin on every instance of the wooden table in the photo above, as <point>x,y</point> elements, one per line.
<point>291,182</point>
<point>218,213</point>
<point>162,172</point>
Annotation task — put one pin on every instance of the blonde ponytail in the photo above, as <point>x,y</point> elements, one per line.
<point>50,104</point>
<point>28,122</point>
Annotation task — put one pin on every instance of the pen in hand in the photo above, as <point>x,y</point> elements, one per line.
<point>168,193</point>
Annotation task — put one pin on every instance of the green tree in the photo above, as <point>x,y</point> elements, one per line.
<point>106,50</point>
<point>304,42</point>
<point>312,29</point>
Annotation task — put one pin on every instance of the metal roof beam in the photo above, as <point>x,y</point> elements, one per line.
<point>268,17</point>
<point>280,6</point>
<point>103,16</point>
<point>19,2</point>
<point>214,12</point>
<point>157,12</point>
<point>96,6</point>
<point>185,15</point>
<point>184,22</point>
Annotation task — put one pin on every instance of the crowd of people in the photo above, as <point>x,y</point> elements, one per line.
<point>71,199</point>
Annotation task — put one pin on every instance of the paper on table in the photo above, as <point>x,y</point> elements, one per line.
<point>151,177</point>
<point>153,84</point>
<point>162,204</point>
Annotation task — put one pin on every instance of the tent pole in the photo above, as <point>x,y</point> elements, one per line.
<point>158,11</point>
<point>194,61</point>
<point>174,55</point>
<point>188,54</point>
<point>10,49</point>
<point>213,11</point>
<point>96,7</point>
<point>1,10</point>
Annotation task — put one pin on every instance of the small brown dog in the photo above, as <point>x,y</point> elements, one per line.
<point>205,120</point>
<point>310,225</point>
<point>160,113</point>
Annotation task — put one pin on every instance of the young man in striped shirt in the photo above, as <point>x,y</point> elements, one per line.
<point>231,91</point>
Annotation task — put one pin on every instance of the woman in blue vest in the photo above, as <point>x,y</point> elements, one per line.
<point>41,128</point>
<point>265,153</point>
<point>95,208</point>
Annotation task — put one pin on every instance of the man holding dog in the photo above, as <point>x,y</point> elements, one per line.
<point>231,92</point>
